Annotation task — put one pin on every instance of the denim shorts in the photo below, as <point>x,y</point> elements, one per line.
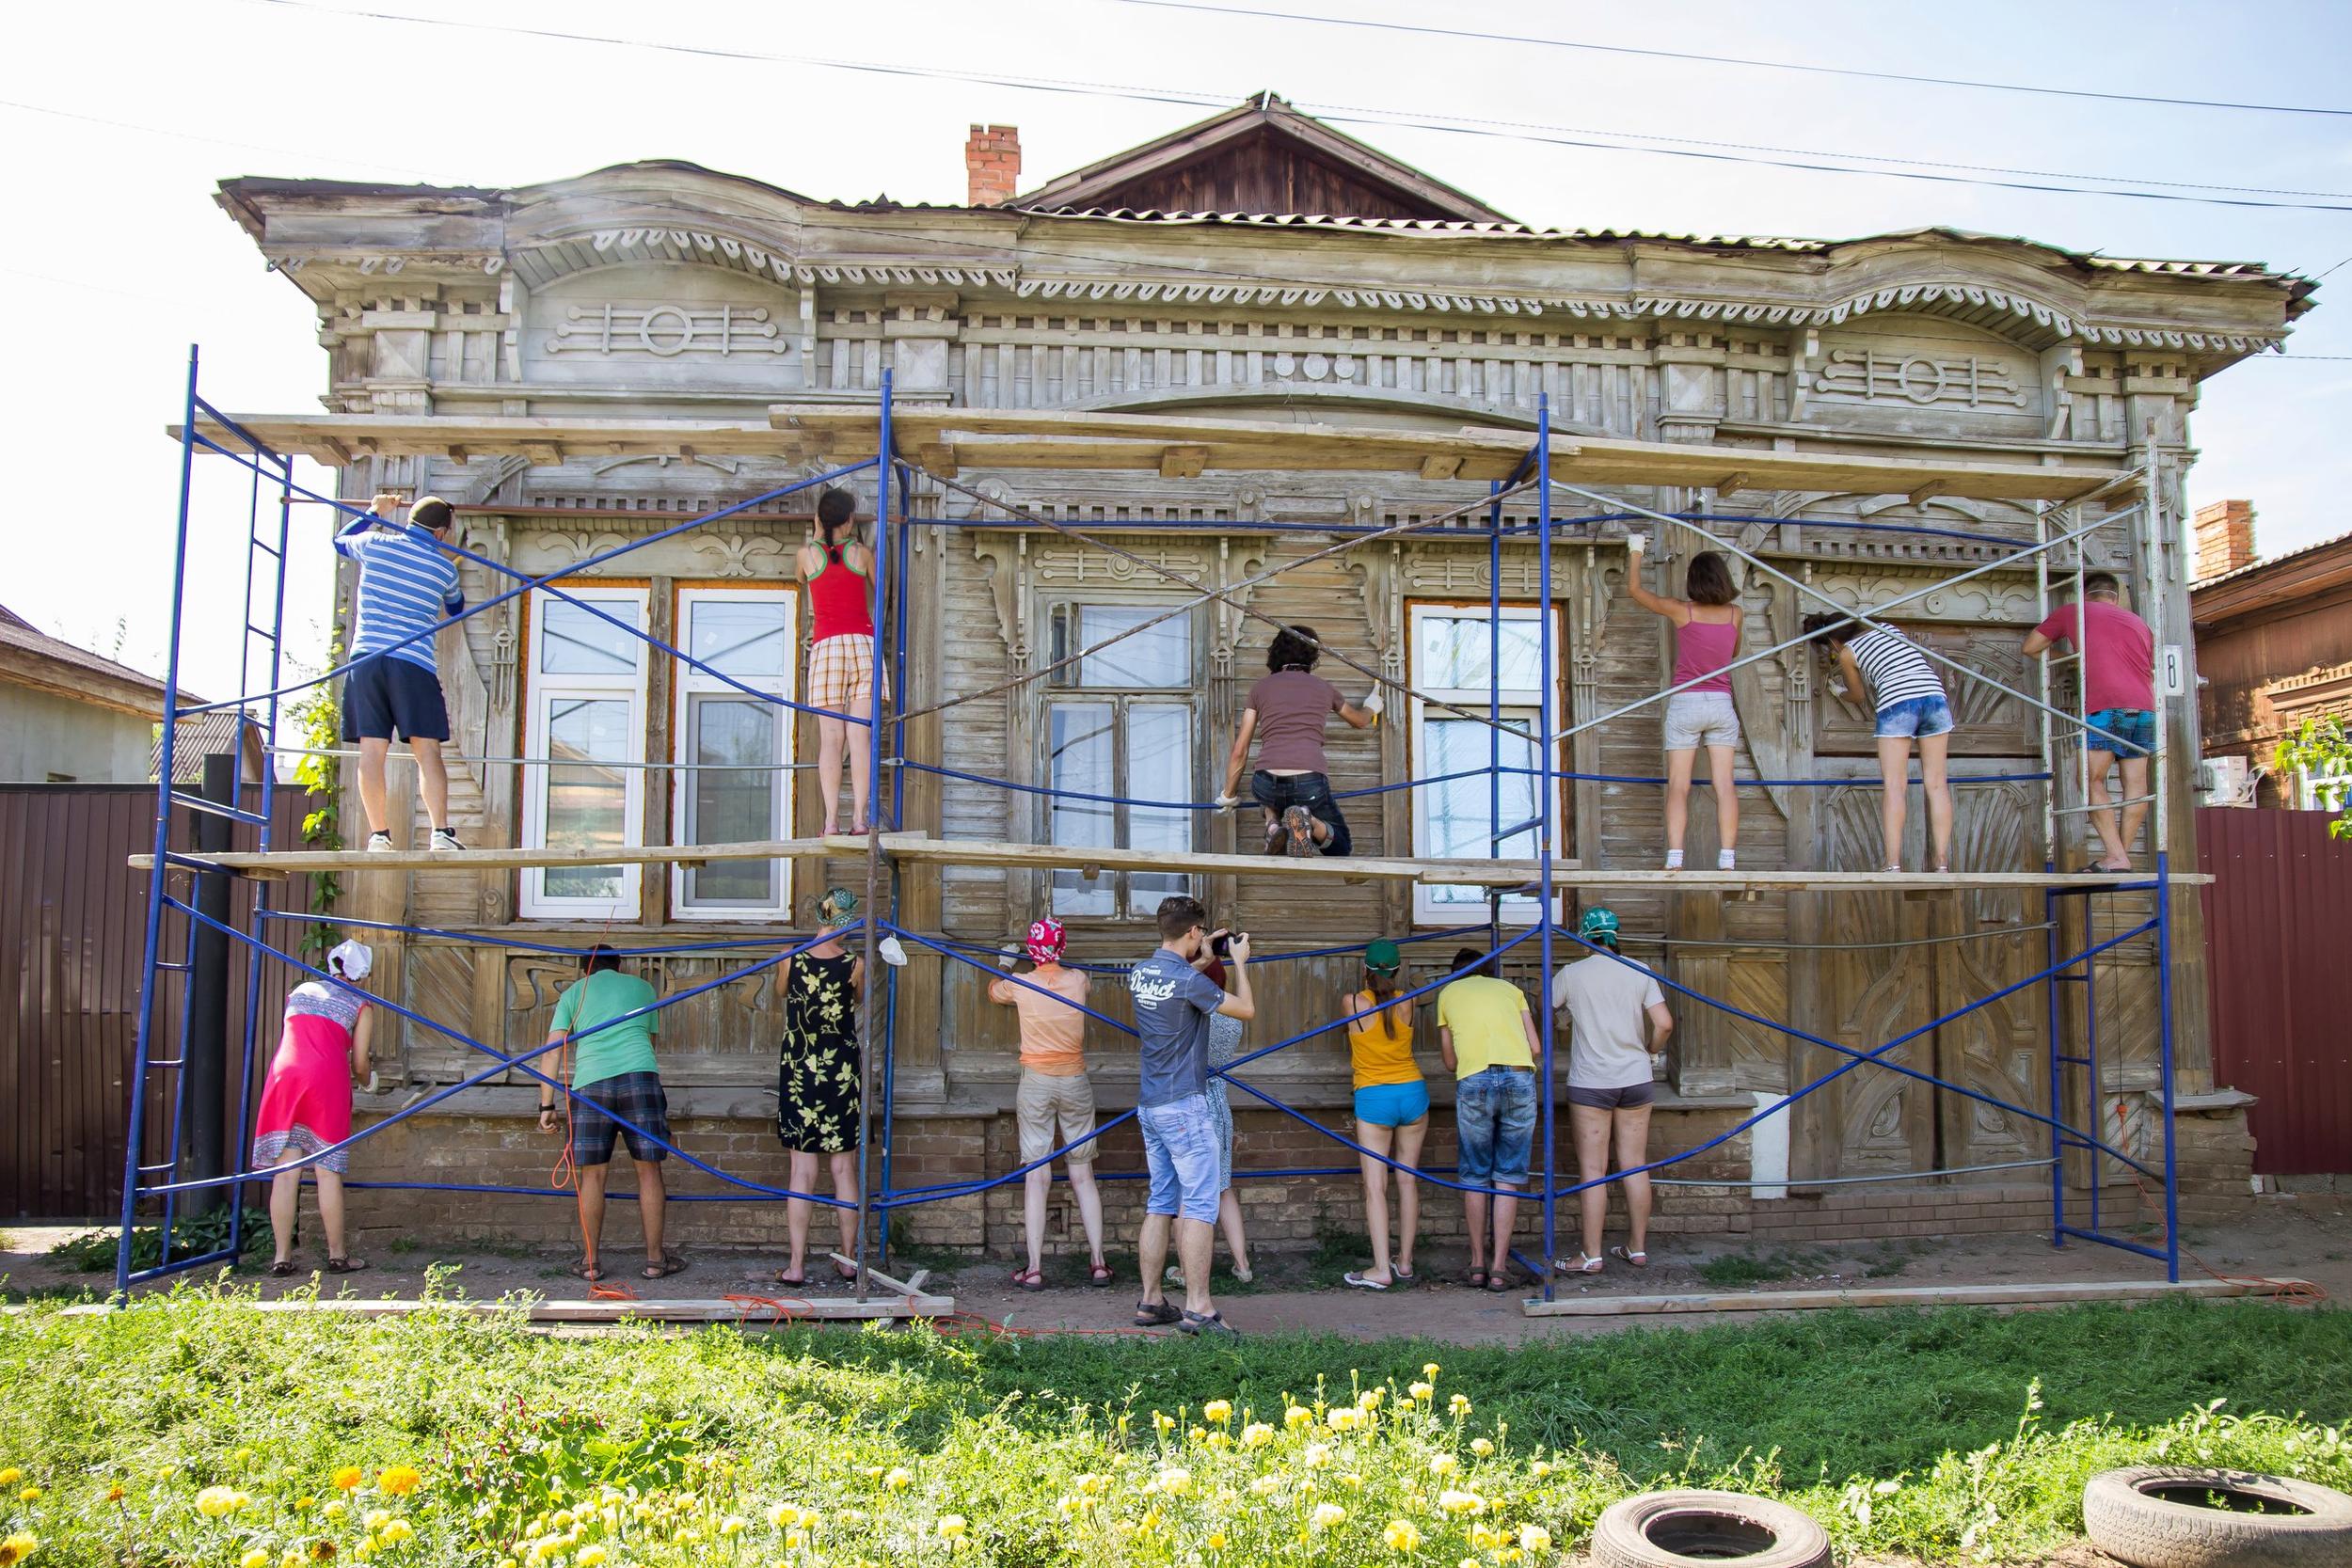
<point>1695,719</point>
<point>2131,732</point>
<point>1179,1151</point>
<point>1278,792</point>
<point>1392,1104</point>
<point>1494,1117</point>
<point>1919,716</point>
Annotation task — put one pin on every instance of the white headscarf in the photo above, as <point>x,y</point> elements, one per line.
<point>352,959</point>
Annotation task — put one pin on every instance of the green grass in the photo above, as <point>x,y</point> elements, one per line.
<point>1947,1436</point>
<point>1734,1271</point>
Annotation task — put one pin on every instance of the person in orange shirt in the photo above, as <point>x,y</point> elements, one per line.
<point>1392,1111</point>
<point>1055,1091</point>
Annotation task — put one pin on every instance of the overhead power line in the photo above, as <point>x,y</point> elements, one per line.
<point>1428,31</point>
<point>1731,152</point>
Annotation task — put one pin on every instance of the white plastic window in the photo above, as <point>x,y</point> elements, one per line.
<point>1461,659</point>
<point>737,786</point>
<point>586,714</point>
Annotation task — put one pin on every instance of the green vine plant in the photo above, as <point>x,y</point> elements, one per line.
<point>2324,746</point>
<point>318,720</point>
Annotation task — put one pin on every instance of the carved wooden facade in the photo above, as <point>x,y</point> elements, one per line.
<point>663,288</point>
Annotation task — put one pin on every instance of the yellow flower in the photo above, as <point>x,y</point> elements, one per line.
<point>398,1530</point>
<point>1297,1415</point>
<point>563,1519</point>
<point>1535,1538</point>
<point>10,1475</point>
<point>1429,1370</point>
<point>1344,1417</point>
<point>1257,1434</point>
<point>1173,1482</point>
<point>1160,1422</point>
<point>730,1526</point>
<point>243,1456</point>
<point>1459,1405</point>
<point>784,1515</point>
<point>399,1479</point>
<point>1264,1486</point>
<point>17,1548</point>
<point>254,1559</point>
<point>1461,1502</point>
<point>1402,1536</point>
<point>332,1510</point>
<point>216,1503</point>
<point>1219,1440</point>
<point>590,1557</point>
<point>1092,1485</point>
<point>376,1519</point>
<point>1443,1464</point>
<point>1482,1446</point>
<point>898,1480</point>
<point>1370,1399</point>
<point>113,1493</point>
<point>951,1526</point>
<point>303,1504</point>
<point>1424,1391</point>
<point>30,1495</point>
<point>1486,1539</point>
<point>1198,1434</point>
<point>1541,1468</point>
<point>1317,1456</point>
<point>1220,1411</point>
<point>291,1558</point>
<point>1216,1541</point>
<point>1326,1516</point>
<point>347,1478</point>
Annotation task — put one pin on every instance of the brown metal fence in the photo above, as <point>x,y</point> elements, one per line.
<point>72,932</point>
<point>2281,978</point>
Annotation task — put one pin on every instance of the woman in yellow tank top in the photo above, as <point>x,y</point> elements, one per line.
<point>1391,1113</point>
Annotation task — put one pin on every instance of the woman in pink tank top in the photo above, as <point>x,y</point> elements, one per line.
<point>1707,623</point>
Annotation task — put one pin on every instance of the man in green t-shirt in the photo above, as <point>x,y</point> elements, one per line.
<point>616,1093</point>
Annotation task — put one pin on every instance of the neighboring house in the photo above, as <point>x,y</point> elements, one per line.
<point>2274,644</point>
<point>1258,266</point>
<point>201,735</point>
<point>69,715</point>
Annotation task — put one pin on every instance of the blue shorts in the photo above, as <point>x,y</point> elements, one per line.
<point>1179,1151</point>
<point>1494,1118</point>
<point>2131,732</point>
<point>386,697</point>
<point>1915,716</point>
<point>1392,1104</point>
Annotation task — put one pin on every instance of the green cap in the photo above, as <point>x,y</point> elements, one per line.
<point>1597,923</point>
<point>836,906</point>
<point>1382,955</point>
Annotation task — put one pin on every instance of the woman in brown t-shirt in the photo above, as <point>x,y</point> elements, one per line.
<point>1286,711</point>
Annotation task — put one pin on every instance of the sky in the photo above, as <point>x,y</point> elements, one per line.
<point>124,117</point>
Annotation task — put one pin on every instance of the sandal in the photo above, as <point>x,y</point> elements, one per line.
<point>1478,1279</point>
<point>1638,1259</point>
<point>1029,1279</point>
<point>281,1269</point>
<point>345,1265</point>
<point>1298,830</point>
<point>588,1272</point>
<point>1199,1324</point>
<point>1582,1264</point>
<point>1365,1281</point>
<point>1157,1314</point>
<point>1403,1276</point>
<point>788,1276</point>
<point>671,1263</point>
<point>1099,1275</point>
<point>1499,1282</point>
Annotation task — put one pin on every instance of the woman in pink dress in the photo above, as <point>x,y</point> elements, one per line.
<point>305,1102</point>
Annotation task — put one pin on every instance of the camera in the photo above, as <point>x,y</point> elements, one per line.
<point>1220,944</point>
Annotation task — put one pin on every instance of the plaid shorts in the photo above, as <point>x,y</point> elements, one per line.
<point>636,1097</point>
<point>841,675</point>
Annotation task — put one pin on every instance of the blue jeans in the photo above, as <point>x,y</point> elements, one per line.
<point>1179,1151</point>
<point>1915,716</point>
<point>1494,1119</point>
<point>1278,792</point>
<point>2130,732</point>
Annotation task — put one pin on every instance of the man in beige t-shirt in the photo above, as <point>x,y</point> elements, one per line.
<point>1055,1091</point>
<point>1619,1015</point>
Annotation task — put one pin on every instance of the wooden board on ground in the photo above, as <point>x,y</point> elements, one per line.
<point>1908,1295</point>
<point>751,1307</point>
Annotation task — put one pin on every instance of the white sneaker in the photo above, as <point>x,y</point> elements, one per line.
<point>379,844</point>
<point>443,839</point>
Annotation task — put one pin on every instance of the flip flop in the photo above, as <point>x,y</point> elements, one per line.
<point>1157,1314</point>
<point>671,1263</point>
<point>1403,1276</point>
<point>1638,1259</point>
<point>786,1276</point>
<point>1363,1283</point>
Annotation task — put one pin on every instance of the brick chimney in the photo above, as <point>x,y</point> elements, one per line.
<point>2225,538</point>
<point>992,165</point>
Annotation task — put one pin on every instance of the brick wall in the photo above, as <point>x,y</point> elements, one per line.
<point>502,1147</point>
<point>2224,532</point>
<point>992,165</point>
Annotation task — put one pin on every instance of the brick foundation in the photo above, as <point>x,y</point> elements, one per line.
<point>500,1145</point>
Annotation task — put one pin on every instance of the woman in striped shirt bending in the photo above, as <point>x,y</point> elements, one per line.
<point>1909,697</point>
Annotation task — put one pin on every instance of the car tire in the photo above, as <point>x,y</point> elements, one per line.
<point>2146,1516</point>
<point>1695,1530</point>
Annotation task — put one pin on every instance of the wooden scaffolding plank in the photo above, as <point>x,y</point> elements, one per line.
<point>335,438</point>
<point>686,1309</point>
<point>289,862</point>
<point>2056,1294</point>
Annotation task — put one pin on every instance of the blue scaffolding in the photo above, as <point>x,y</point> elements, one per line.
<point>160,1180</point>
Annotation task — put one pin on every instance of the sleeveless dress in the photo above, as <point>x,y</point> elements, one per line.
<point>817,1079</point>
<point>1224,1045</point>
<point>305,1101</point>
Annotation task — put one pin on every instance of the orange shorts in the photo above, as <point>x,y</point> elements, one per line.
<point>841,675</point>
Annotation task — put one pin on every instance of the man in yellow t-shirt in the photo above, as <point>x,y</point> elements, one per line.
<point>1487,1036</point>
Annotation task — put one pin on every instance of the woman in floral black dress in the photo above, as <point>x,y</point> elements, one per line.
<point>817,1078</point>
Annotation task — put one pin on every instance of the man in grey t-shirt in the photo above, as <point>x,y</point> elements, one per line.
<point>1173,1000</point>
<point>1618,1014</point>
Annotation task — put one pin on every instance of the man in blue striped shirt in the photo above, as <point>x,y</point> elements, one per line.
<point>407,585</point>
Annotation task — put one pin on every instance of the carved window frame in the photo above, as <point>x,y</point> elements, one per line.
<point>686,684</point>
<point>533,902</point>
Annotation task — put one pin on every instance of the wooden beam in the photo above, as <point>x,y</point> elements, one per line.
<point>689,1309</point>
<point>1907,1295</point>
<point>1182,461</point>
<point>1732,483</point>
<point>283,862</point>
<point>1435,466</point>
<point>458,453</point>
<point>1928,492</point>
<point>337,450</point>
<point>544,454</point>
<point>938,458</point>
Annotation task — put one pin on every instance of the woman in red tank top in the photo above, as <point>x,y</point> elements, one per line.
<point>1706,639</point>
<point>839,575</point>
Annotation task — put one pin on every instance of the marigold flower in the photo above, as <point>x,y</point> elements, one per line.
<point>1443,1464</point>
<point>1220,1411</point>
<point>254,1559</point>
<point>1297,1415</point>
<point>1198,1434</point>
<point>1257,1434</point>
<point>1486,1539</point>
<point>322,1549</point>
<point>30,1495</point>
<point>291,1558</point>
<point>1215,1542</point>
<point>590,1557</point>
<point>347,1478</point>
<point>1173,1482</point>
<point>1370,1399</point>
<point>1264,1486</point>
<point>1535,1538</point>
<point>375,1519</point>
<point>1429,1370</point>
<point>1218,1440</point>
<point>1161,1421</point>
<point>730,1526</point>
<point>17,1548</point>
<point>10,1475</point>
<point>1092,1485</point>
<point>1424,1391</point>
<point>333,1511</point>
<point>1455,1501</point>
<point>1402,1536</point>
<point>784,1515</point>
<point>1344,1417</point>
<point>1459,1405</point>
<point>216,1503</point>
<point>397,1531</point>
<point>399,1479</point>
<point>243,1456</point>
<point>1318,1455</point>
<point>898,1480</point>
<point>951,1526</point>
<point>1482,1446</point>
<point>1541,1468</point>
<point>113,1493</point>
<point>1326,1516</point>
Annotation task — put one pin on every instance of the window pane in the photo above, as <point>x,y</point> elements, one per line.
<point>587,805</point>
<point>1159,767</point>
<point>1459,814</point>
<point>741,639</point>
<point>724,806</point>
<point>1455,649</point>
<point>572,642</point>
<point>1159,658</point>
<point>1078,757</point>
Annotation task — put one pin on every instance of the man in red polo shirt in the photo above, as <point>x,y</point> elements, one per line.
<point>2119,662</point>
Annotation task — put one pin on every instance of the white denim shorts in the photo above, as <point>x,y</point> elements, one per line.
<point>1696,719</point>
